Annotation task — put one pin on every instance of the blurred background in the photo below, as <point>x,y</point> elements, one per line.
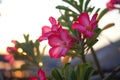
<point>18,17</point>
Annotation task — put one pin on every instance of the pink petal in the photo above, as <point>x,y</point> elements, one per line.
<point>11,49</point>
<point>89,34</point>
<point>52,20</point>
<point>93,25</point>
<point>54,40</point>
<point>54,23</point>
<point>93,18</point>
<point>84,19</point>
<point>64,35</point>
<point>33,78</point>
<point>45,36</point>
<point>10,58</point>
<point>110,5</point>
<point>57,51</point>
<point>41,74</point>
<point>45,29</point>
<point>79,27</point>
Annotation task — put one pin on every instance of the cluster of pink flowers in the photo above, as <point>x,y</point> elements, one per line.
<point>60,40</point>
<point>112,4</point>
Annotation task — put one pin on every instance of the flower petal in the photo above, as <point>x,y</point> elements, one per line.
<point>57,51</point>
<point>84,19</point>
<point>52,20</point>
<point>93,18</point>
<point>55,25</point>
<point>89,34</point>
<point>64,35</point>
<point>33,78</point>
<point>79,27</point>
<point>10,58</point>
<point>45,36</point>
<point>54,40</point>
<point>41,74</point>
<point>45,29</point>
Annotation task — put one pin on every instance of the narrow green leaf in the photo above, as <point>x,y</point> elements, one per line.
<point>90,9</point>
<point>84,71</point>
<point>97,10</point>
<point>103,12</point>
<point>65,8</point>
<point>73,3</point>
<point>89,71</point>
<point>69,72</point>
<point>108,26</point>
<point>56,74</point>
<point>81,5</point>
<point>86,4</point>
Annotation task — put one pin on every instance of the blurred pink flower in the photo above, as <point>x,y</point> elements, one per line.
<point>33,78</point>
<point>11,49</point>
<point>60,42</point>
<point>47,31</point>
<point>111,4</point>
<point>84,25</point>
<point>41,74</point>
<point>10,58</point>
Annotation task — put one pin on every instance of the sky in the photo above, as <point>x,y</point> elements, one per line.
<point>20,17</point>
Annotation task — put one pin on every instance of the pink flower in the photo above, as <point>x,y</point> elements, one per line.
<point>84,25</point>
<point>112,4</point>
<point>60,43</point>
<point>10,58</point>
<point>11,49</point>
<point>33,78</point>
<point>41,74</point>
<point>47,31</point>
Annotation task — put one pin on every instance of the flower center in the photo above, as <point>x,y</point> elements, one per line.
<point>88,28</point>
<point>64,43</point>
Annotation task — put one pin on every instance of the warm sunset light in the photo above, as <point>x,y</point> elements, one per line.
<point>59,39</point>
<point>17,19</point>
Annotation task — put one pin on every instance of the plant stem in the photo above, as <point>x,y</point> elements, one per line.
<point>97,63</point>
<point>112,74</point>
<point>83,58</point>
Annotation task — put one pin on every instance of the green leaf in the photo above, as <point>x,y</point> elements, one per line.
<point>84,71</point>
<point>97,10</point>
<point>81,5</point>
<point>73,3</point>
<point>57,74</point>
<point>90,9</point>
<point>108,26</point>
<point>103,12</point>
<point>69,72</point>
<point>26,37</point>
<point>20,56</point>
<point>65,8</point>
<point>86,4</point>
<point>89,71</point>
